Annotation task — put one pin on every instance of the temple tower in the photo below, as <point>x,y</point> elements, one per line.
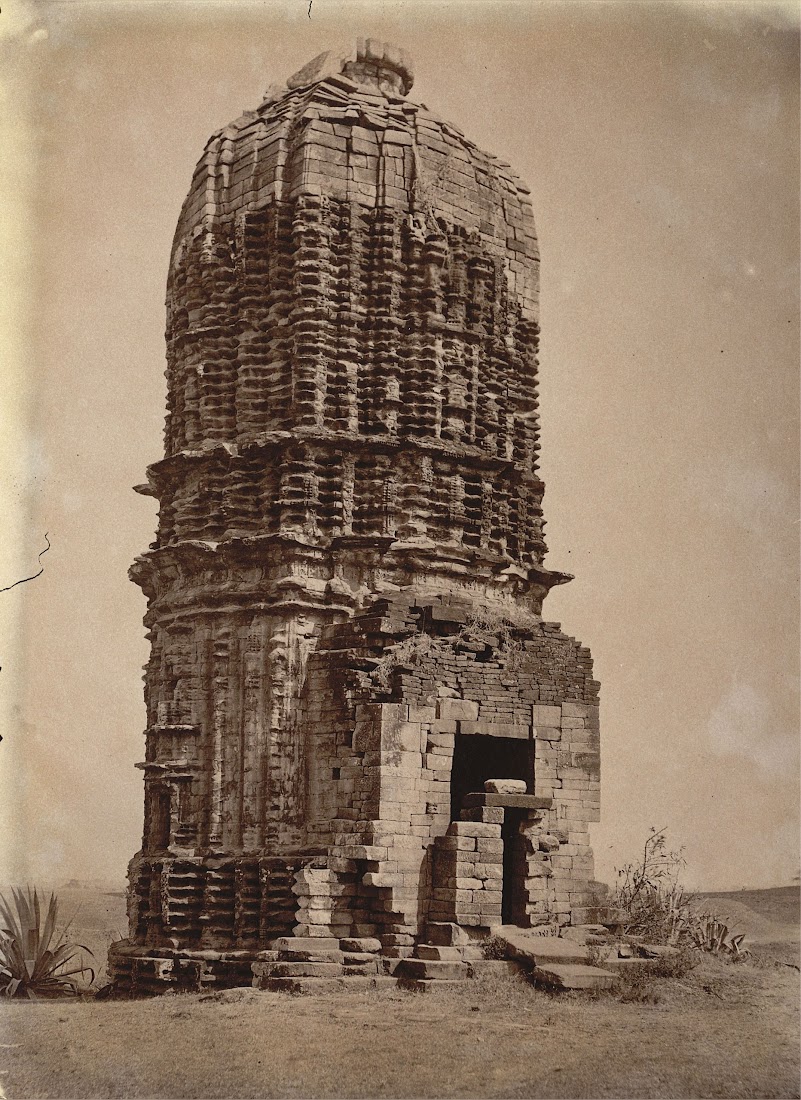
<point>345,591</point>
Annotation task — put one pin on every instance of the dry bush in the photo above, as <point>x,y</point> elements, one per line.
<point>493,948</point>
<point>409,653</point>
<point>675,966</point>
<point>662,911</point>
<point>650,892</point>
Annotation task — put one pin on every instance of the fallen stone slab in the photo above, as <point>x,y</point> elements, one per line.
<point>587,933</point>
<point>607,915</point>
<point>511,801</point>
<point>523,943</point>
<point>656,951</point>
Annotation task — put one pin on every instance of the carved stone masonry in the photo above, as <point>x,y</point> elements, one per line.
<point>345,592</point>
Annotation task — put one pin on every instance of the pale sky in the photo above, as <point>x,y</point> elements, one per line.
<point>660,142</point>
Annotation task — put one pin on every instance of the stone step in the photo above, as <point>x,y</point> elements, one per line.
<point>431,968</point>
<point>390,966</point>
<point>305,943</point>
<point>356,958</point>
<point>397,952</point>
<point>438,954</point>
<point>572,976</point>
<point>371,967</point>
<point>310,956</point>
<point>297,970</point>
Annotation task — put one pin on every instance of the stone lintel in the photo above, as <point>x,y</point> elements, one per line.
<point>497,729</point>
<point>508,801</point>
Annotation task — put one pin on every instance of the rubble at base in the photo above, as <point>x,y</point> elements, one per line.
<point>327,965</point>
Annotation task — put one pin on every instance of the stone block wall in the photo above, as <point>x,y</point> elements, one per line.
<point>468,874</point>
<point>381,774</point>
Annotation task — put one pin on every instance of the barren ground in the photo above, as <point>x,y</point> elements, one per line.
<point>723,1030</point>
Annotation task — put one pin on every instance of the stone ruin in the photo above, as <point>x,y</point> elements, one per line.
<point>365,749</point>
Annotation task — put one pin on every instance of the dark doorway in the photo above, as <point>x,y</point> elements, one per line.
<point>477,758</point>
<point>513,899</point>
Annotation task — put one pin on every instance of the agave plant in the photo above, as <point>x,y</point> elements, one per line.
<point>35,960</point>
<point>709,933</point>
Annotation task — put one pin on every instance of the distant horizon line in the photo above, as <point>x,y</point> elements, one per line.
<point>104,884</point>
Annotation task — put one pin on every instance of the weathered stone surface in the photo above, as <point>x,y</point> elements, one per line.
<point>313,945</point>
<point>349,486</point>
<point>439,954</point>
<point>310,956</point>
<point>360,943</point>
<point>297,969</point>
<point>657,951</point>
<point>429,968</point>
<point>458,709</point>
<point>547,843</point>
<point>445,934</point>
<point>505,786</point>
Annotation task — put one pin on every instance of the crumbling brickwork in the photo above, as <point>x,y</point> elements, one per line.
<point>345,591</point>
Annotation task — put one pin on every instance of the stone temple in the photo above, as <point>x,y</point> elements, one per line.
<point>365,748</point>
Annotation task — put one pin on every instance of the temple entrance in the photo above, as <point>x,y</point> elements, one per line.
<point>477,758</point>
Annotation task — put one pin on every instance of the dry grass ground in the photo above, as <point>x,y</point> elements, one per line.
<point>722,1030</point>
